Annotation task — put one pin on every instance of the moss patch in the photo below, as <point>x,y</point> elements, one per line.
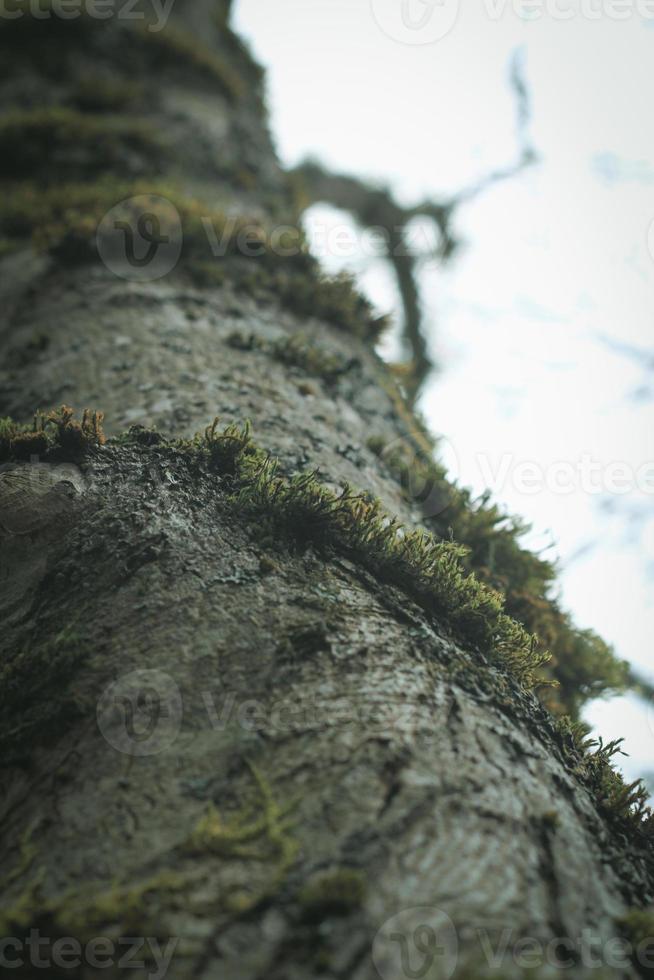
<point>332,893</point>
<point>99,93</point>
<point>88,911</point>
<point>55,141</point>
<point>623,801</point>
<point>300,351</point>
<point>33,32</point>
<point>429,570</point>
<point>64,220</point>
<point>174,45</point>
<point>56,434</point>
<point>311,357</point>
<point>257,833</point>
<point>637,926</point>
<point>583,666</point>
<point>260,832</point>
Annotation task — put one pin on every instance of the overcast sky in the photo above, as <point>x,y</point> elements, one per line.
<point>543,324</point>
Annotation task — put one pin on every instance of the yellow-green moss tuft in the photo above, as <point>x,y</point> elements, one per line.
<point>583,666</point>
<point>57,432</point>
<point>55,141</point>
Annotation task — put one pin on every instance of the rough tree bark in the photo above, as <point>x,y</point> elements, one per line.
<point>310,753</point>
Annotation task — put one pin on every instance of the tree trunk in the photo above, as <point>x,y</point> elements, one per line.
<point>223,733</point>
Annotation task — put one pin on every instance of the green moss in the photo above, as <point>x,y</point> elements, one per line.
<point>257,833</point>
<point>268,565</point>
<point>54,141</point>
<point>51,217</point>
<point>376,444</point>
<point>57,433</point>
<point>105,94</point>
<point>307,354</point>
<point>295,278</point>
<point>622,800</point>
<point>137,44</point>
<point>73,436</point>
<point>82,912</point>
<point>63,221</point>
<point>333,893</point>
<point>235,45</point>
<point>226,447</point>
<point>637,927</point>
<point>244,341</point>
<point>297,350</point>
<point>638,924</point>
<point>174,45</point>
<point>419,437</point>
<point>625,804</point>
<point>309,292</point>
<point>429,570</point>
<point>582,665</point>
<point>18,442</point>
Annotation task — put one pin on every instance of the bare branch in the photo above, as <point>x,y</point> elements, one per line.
<point>375,207</point>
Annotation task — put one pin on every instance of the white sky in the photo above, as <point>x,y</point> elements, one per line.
<point>556,263</point>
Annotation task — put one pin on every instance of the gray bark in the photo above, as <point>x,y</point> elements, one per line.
<point>323,755</point>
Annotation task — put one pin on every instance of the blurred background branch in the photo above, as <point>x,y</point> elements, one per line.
<point>375,207</point>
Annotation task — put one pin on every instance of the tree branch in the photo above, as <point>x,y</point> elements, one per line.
<point>375,207</point>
